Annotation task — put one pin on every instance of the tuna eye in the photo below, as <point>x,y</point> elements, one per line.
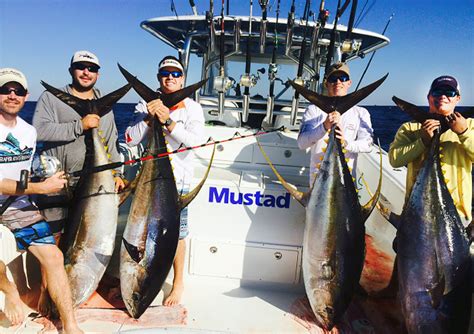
<point>327,272</point>
<point>329,310</point>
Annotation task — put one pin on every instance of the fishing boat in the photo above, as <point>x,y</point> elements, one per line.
<point>244,252</point>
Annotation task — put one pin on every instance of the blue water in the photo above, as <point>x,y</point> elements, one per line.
<point>385,119</point>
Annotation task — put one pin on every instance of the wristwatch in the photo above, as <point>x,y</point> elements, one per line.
<point>168,122</point>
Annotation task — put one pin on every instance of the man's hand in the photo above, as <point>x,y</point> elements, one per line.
<point>157,109</point>
<point>427,130</point>
<point>332,118</point>
<point>90,121</point>
<point>54,183</point>
<point>457,123</point>
<point>119,184</point>
<point>340,135</point>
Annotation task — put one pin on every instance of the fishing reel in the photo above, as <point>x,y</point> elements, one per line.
<point>44,166</point>
<point>351,45</point>
<point>272,71</point>
<point>222,83</point>
<point>250,80</point>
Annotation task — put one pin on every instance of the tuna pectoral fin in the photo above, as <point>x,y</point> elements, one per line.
<point>186,199</point>
<point>436,292</point>
<point>367,209</point>
<point>298,195</point>
<point>133,251</point>
<point>129,190</point>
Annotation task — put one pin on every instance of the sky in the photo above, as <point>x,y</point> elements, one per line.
<point>38,37</point>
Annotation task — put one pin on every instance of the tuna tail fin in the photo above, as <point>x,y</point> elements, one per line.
<point>132,251</point>
<point>367,208</point>
<point>143,90</point>
<point>80,106</point>
<point>186,199</point>
<point>419,114</point>
<point>83,107</point>
<point>149,94</point>
<point>298,195</point>
<point>337,103</point>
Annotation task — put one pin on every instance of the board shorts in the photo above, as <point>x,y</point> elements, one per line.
<point>34,235</point>
<point>183,219</point>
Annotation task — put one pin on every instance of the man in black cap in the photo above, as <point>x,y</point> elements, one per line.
<point>413,139</point>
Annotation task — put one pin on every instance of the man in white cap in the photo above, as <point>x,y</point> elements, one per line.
<point>61,129</point>
<point>32,233</point>
<point>354,127</point>
<point>183,124</point>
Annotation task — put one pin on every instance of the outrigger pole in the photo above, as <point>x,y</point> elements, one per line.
<point>299,74</point>
<point>182,148</point>
<point>212,31</point>
<point>272,71</point>
<point>247,80</point>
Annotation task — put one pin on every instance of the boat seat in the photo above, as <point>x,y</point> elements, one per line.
<point>284,120</point>
<point>230,118</point>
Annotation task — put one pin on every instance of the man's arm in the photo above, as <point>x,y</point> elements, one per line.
<point>138,127</point>
<point>191,132</point>
<point>312,127</point>
<point>47,125</point>
<point>407,145</point>
<point>52,184</point>
<point>467,137</point>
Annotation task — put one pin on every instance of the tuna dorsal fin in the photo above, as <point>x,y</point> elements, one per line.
<point>298,195</point>
<point>149,94</point>
<point>186,199</point>
<point>419,114</point>
<point>337,103</point>
<point>83,107</point>
<point>132,251</point>
<point>367,208</point>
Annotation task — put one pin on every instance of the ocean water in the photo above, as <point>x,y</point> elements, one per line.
<point>385,119</point>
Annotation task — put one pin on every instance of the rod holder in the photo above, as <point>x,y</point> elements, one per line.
<point>270,107</point>
<point>294,110</point>
<point>245,107</point>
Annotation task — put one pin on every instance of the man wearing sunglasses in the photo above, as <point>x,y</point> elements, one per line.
<point>183,125</point>
<point>61,129</point>
<point>354,127</point>
<point>20,215</point>
<point>413,139</point>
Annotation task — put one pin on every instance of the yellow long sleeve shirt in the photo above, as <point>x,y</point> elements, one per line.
<point>457,158</point>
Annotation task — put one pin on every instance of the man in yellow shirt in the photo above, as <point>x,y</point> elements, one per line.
<point>412,140</point>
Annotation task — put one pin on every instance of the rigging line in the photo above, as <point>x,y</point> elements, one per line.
<point>361,12</point>
<point>366,12</point>
<point>373,53</point>
<point>181,148</point>
<point>173,8</point>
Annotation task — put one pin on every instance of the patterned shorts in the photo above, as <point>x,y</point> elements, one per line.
<point>183,226</point>
<point>36,234</point>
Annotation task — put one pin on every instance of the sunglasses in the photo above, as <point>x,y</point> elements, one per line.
<point>341,78</point>
<point>174,74</point>
<point>18,91</point>
<point>82,67</point>
<point>441,92</point>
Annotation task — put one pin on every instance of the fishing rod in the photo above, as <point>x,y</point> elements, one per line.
<point>212,31</point>
<point>193,7</point>
<point>181,148</point>
<point>348,44</point>
<point>299,74</point>
<point>332,43</point>
<point>263,25</point>
<point>289,28</point>
<point>373,53</point>
<point>173,8</point>
<point>272,72</point>
<point>222,83</point>
<point>320,24</point>
<point>247,80</point>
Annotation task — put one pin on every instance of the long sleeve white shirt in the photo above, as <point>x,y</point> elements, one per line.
<point>188,131</point>
<point>356,127</point>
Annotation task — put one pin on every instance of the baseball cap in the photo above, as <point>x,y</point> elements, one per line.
<point>337,67</point>
<point>445,81</point>
<point>170,62</point>
<point>12,75</point>
<point>85,56</point>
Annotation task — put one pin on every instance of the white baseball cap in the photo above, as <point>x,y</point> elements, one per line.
<point>170,62</point>
<point>12,75</point>
<point>85,56</point>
